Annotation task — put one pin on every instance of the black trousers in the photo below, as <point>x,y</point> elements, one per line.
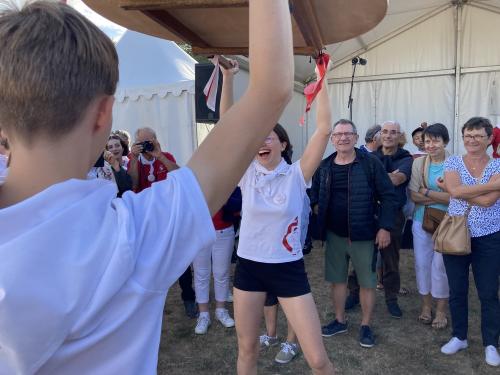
<point>186,284</point>
<point>485,261</point>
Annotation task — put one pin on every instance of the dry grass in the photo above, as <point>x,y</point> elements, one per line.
<point>403,346</point>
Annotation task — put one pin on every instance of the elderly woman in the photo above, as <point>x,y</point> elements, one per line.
<point>473,181</point>
<point>429,267</point>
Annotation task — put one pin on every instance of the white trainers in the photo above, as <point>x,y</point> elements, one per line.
<point>491,356</point>
<point>223,317</point>
<point>202,325</point>
<point>454,345</point>
<point>288,352</point>
<point>266,341</point>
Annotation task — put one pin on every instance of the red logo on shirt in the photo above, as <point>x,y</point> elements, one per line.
<point>292,228</point>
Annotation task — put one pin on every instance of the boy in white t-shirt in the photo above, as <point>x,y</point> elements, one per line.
<point>84,276</point>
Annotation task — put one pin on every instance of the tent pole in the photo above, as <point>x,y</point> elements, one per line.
<point>458,68</point>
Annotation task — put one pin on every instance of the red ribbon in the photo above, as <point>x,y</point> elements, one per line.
<point>312,89</point>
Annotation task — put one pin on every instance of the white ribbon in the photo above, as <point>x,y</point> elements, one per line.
<point>212,85</point>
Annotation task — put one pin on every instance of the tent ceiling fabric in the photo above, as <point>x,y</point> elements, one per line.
<point>400,13</point>
<point>421,73</point>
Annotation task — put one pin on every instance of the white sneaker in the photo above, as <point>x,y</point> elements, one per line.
<point>222,316</point>
<point>453,346</point>
<point>202,325</point>
<point>491,355</point>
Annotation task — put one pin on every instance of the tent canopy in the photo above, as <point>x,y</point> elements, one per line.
<point>434,61</point>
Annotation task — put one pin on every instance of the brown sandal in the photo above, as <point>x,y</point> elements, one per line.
<point>425,319</point>
<point>440,321</point>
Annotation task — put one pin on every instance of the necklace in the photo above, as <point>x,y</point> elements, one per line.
<point>477,163</point>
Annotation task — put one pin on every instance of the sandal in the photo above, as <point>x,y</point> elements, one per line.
<point>425,319</point>
<point>440,321</point>
<point>425,316</point>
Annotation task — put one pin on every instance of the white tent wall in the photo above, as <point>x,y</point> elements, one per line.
<point>411,76</point>
<point>156,89</point>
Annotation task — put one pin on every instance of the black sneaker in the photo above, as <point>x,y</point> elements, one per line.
<point>351,302</point>
<point>366,339</point>
<point>333,328</point>
<point>394,310</point>
<point>191,309</point>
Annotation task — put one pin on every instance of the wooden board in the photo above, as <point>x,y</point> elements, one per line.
<point>221,26</point>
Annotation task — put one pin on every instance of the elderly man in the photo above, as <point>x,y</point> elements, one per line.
<point>345,190</point>
<point>397,163</point>
<point>372,139</point>
<point>148,164</point>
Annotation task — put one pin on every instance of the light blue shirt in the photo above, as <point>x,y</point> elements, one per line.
<point>435,171</point>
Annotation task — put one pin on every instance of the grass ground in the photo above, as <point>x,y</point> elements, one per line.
<point>403,346</point>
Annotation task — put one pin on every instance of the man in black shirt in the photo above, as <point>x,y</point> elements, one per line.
<point>345,192</point>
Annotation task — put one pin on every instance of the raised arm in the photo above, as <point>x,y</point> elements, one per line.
<point>316,146</point>
<point>223,157</point>
<point>227,94</point>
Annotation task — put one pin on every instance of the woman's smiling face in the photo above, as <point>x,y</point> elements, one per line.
<point>115,147</point>
<point>269,155</point>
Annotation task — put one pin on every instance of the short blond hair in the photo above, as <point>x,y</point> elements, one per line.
<point>53,64</point>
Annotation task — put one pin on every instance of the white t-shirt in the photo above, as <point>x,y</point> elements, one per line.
<point>272,213</point>
<point>84,275</point>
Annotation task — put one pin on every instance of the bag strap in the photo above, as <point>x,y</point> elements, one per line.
<point>424,168</point>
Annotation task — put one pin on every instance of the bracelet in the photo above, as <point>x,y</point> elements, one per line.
<point>427,192</point>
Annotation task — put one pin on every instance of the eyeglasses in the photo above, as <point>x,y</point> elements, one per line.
<point>269,140</point>
<point>476,137</point>
<point>392,132</point>
<point>345,134</point>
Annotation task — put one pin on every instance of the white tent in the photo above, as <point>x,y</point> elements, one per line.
<point>428,60</point>
<point>156,89</point>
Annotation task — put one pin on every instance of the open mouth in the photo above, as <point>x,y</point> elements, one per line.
<point>264,153</point>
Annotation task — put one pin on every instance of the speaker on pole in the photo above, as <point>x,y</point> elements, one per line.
<point>202,73</point>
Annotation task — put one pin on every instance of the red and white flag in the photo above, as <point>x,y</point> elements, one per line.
<point>212,85</point>
<point>312,89</point>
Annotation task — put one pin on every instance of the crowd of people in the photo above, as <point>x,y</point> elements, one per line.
<point>125,228</point>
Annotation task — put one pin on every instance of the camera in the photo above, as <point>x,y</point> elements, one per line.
<point>147,146</point>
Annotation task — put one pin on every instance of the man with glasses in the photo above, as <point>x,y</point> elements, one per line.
<point>397,163</point>
<point>344,193</point>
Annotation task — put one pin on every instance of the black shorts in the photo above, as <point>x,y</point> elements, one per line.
<point>277,279</point>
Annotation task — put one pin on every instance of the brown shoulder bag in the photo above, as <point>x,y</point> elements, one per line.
<point>452,237</point>
<point>432,216</point>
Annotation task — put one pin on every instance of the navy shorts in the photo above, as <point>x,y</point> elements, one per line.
<point>277,279</point>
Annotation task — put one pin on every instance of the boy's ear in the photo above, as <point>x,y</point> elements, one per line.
<point>104,113</point>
